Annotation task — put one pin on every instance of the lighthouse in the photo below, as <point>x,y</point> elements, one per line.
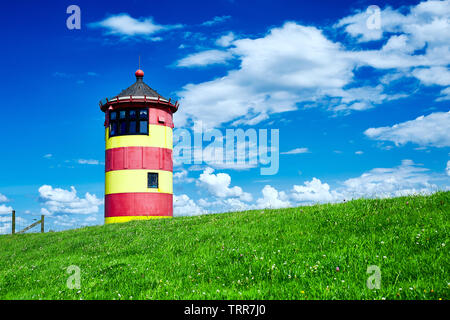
<point>138,156</point>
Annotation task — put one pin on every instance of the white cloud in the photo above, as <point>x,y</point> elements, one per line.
<point>3,198</point>
<point>5,228</point>
<point>296,151</point>
<point>425,27</point>
<point>314,191</point>
<point>184,206</point>
<point>225,40</point>
<point>126,26</point>
<point>182,176</point>
<point>5,209</point>
<point>427,20</point>
<point>205,58</point>
<point>58,200</point>
<point>275,75</point>
<point>430,130</point>
<point>89,161</point>
<point>272,199</point>
<point>216,20</point>
<point>433,75</point>
<point>407,178</point>
<point>445,94</point>
<point>48,156</point>
<point>359,152</point>
<point>219,185</point>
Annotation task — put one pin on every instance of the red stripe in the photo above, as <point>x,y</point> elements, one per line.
<point>160,116</point>
<point>149,158</point>
<point>138,204</point>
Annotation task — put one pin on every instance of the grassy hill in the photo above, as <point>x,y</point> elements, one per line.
<point>263,254</point>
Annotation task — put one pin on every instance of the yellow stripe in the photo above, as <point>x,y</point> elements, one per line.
<point>130,218</point>
<point>158,136</point>
<point>128,181</point>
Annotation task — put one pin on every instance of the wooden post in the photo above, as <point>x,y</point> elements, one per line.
<point>13,223</point>
<point>42,223</point>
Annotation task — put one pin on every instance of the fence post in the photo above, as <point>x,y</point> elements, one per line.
<point>13,222</point>
<point>42,223</point>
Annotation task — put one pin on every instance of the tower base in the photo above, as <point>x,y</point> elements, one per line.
<point>109,220</point>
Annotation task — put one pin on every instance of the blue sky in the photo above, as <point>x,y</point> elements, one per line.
<point>362,108</point>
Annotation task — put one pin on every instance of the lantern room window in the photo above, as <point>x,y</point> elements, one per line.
<point>128,122</point>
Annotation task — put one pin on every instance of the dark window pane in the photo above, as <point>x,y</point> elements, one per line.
<point>143,114</point>
<point>123,127</point>
<point>112,115</point>
<point>132,114</point>
<point>143,127</point>
<point>132,129</point>
<point>152,180</point>
<point>113,129</point>
<point>122,114</point>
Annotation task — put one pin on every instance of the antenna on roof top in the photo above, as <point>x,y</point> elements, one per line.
<point>139,62</point>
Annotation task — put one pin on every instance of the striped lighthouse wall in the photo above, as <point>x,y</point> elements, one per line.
<point>128,160</point>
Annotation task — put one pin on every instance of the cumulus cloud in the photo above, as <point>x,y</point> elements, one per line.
<point>225,40</point>
<point>56,200</point>
<point>125,26</point>
<point>5,209</point>
<point>272,199</point>
<point>314,191</point>
<point>184,206</point>
<point>407,178</point>
<point>182,176</point>
<point>274,75</point>
<point>433,75</point>
<point>219,185</point>
<point>205,58</point>
<point>295,64</point>
<point>422,27</point>
<point>430,130</point>
<point>426,21</point>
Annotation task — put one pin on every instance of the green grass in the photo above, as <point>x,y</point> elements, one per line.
<point>263,254</point>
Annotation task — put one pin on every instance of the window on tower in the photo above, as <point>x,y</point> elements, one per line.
<point>152,180</point>
<point>128,122</point>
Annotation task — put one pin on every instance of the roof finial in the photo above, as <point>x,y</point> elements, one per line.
<point>139,73</point>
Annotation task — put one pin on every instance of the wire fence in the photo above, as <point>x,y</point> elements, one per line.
<point>33,223</point>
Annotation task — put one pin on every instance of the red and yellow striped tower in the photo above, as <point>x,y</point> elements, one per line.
<point>138,159</point>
